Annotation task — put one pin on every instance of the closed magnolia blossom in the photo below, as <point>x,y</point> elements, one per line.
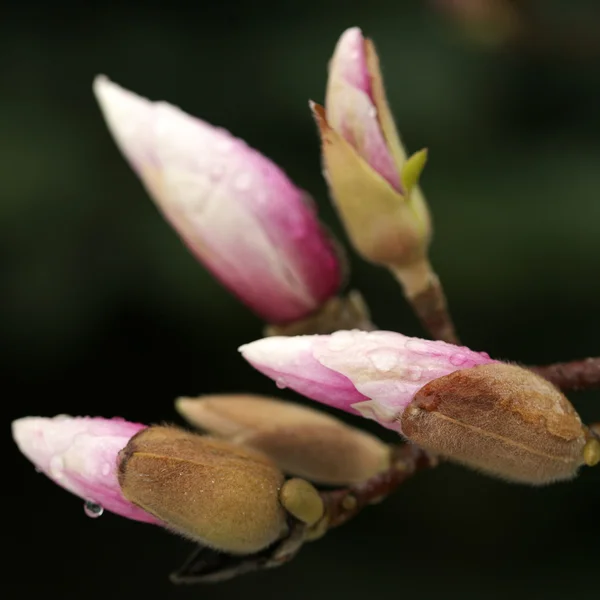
<point>373,183</point>
<point>219,494</point>
<point>237,212</point>
<point>498,418</point>
<point>374,374</point>
<point>80,454</point>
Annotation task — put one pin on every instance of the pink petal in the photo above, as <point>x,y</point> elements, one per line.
<point>80,454</point>
<point>350,108</point>
<point>290,362</point>
<point>349,61</point>
<point>235,209</point>
<point>375,374</point>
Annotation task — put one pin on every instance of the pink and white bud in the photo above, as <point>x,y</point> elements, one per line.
<point>80,454</point>
<point>238,212</point>
<point>375,374</point>
<point>372,182</point>
<point>351,109</point>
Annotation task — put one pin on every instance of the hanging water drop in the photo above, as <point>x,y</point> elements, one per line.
<point>280,383</point>
<point>92,510</point>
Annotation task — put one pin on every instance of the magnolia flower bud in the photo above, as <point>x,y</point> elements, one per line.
<point>375,374</point>
<point>220,494</point>
<point>373,184</point>
<point>237,212</point>
<point>80,455</point>
<point>502,419</point>
<point>302,441</point>
<point>499,418</point>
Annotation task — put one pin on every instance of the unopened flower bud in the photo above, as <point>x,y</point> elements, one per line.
<point>375,374</point>
<point>80,455</point>
<point>220,494</point>
<point>302,501</point>
<point>373,183</point>
<point>302,441</point>
<point>500,419</point>
<point>237,212</point>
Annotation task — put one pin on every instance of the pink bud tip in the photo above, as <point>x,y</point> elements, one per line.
<point>374,374</point>
<point>237,211</point>
<point>80,455</point>
<point>351,108</point>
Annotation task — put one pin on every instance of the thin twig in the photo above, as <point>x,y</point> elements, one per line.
<point>424,292</point>
<point>344,504</point>
<point>573,375</point>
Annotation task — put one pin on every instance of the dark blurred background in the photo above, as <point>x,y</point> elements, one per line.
<point>105,313</point>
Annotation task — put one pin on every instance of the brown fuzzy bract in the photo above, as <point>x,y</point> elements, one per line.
<point>501,419</point>
<point>220,494</point>
<point>302,441</point>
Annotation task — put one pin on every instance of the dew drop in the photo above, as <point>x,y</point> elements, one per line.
<point>372,112</point>
<point>280,383</point>
<point>56,467</point>
<point>105,469</point>
<point>417,346</point>
<point>92,510</point>
<point>458,359</point>
<point>383,359</point>
<point>340,340</point>
<point>62,417</point>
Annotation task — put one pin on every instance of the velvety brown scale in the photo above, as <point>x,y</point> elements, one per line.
<point>302,441</point>
<point>501,419</point>
<point>220,494</point>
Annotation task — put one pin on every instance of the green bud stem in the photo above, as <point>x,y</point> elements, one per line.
<point>424,292</point>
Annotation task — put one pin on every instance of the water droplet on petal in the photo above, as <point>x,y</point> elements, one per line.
<point>340,340</point>
<point>56,467</point>
<point>280,383</point>
<point>458,359</point>
<point>105,469</point>
<point>92,509</point>
<point>417,346</point>
<point>372,112</point>
<point>383,359</point>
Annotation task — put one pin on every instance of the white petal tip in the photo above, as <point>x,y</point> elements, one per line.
<point>277,350</point>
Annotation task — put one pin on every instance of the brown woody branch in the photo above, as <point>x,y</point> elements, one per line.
<point>573,375</point>
<point>344,504</point>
